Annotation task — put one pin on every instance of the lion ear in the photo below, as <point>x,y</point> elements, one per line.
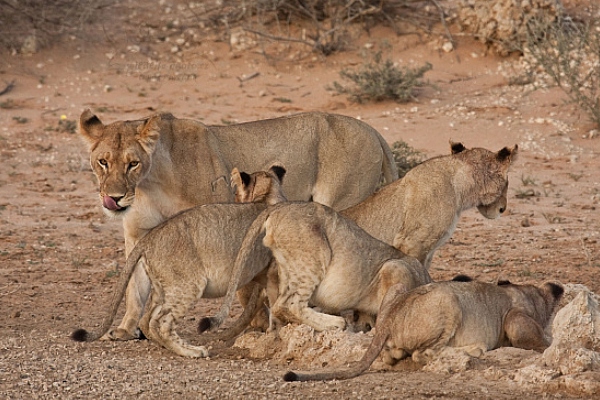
<point>239,179</point>
<point>555,289</point>
<point>507,155</point>
<point>90,127</point>
<point>456,147</point>
<point>236,179</point>
<point>279,172</point>
<point>149,133</point>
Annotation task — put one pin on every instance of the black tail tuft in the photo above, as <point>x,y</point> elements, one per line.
<point>80,335</point>
<point>204,324</point>
<point>290,376</point>
<point>462,278</point>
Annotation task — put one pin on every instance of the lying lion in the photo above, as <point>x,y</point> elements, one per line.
<point>416,214</point>
<point>473,316</point>
<point>152,168</point>
<point>186,257</point>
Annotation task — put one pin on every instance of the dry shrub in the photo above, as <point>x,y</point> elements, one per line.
<point>503,24</point>
<point>382,80</point>
<point>568,53</point>
<point>323,26</point>
<point>29,25</point>
<point>406,157</point>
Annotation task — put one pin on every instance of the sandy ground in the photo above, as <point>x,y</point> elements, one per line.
<point>59,255</point>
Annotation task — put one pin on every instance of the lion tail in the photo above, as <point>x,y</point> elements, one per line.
<point>82,335</point>
<point>252,236</point>
<point>256,299</point>
<point>389,168</point>
<point>354,370</point>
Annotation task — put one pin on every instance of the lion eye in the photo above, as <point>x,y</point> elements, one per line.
<point>133,164</point>
<point>103,162</point>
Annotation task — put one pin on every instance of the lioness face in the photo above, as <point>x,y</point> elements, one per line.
<point>496,208</point>
<point>120,156</point>
<point>493,174</point>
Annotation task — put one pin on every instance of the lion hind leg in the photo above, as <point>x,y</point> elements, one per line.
<point>295,308</point>
<point>163,322</point>
<point>524,332</point>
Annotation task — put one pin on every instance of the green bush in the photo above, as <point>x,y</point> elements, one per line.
<point>382,80</point>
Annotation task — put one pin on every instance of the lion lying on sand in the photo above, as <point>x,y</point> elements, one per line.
<point>473,316</point>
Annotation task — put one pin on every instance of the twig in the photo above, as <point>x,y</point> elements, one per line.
<point>8,88</point>
<point>443,20</point>
<point>247,78</point>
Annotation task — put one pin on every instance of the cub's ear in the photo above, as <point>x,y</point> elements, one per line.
<point>555,290</point>
<point>462,278</point>
<point>239,179</point>
<point>279,172</point>
<point>149,133</point>
<point>236,179</point>
<point>456,147</point>
<point>504,283</point>
<point>507,155</point>
<point>90,127</point>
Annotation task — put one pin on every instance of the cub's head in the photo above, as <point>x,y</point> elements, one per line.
<point>120,156</point>
<point>490,171</point>
<point>539,302</point>
<point>259,187</point>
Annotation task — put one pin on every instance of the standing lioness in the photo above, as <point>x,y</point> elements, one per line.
<point>474,316</point>
<point>150,169</point>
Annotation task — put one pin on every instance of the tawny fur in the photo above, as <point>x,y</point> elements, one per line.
<point>190,256</point>
<point>416,214</point>
<point>150,169</point>
<point>473,316</point>
<point>419,213</point>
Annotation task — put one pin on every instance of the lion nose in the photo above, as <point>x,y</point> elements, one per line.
<point>111,203</point>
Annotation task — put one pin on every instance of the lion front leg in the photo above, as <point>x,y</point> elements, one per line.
<point>524,332</point>
<point>137,293</point>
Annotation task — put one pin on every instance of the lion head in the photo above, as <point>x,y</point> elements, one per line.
<point>120,156</point>
<point>491,172</point>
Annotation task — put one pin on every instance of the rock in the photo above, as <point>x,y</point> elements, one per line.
<point>240,40</point>
<point>301,343</point>
<point>576,333</point>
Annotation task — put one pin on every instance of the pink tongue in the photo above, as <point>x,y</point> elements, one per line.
<point>110,203</point>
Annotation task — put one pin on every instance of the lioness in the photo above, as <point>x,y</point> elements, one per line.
<point>190,256</point>
<point>419,213</point>
<point>150,169</point>
<point>415,214</point>
<point>474,316</point>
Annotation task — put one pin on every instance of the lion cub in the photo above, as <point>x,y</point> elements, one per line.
<point>190,256</point>
<point>474,316</point>
<point>324,259</point>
